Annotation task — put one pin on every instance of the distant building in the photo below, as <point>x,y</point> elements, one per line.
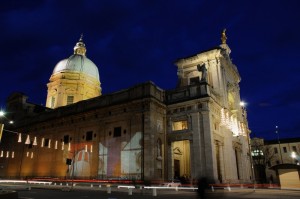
<point>197,129</point>
<point>267,154</point>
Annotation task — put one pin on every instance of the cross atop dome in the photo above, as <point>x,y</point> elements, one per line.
<point>81,37</point>
<point>79,48</point>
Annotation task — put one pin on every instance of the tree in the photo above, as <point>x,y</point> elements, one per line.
<point>262,155</point>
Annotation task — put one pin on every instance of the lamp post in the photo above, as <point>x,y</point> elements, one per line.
<point>6,145</point>
<point>2,115</point>
<point>277,132</point>
<point>1,124</point>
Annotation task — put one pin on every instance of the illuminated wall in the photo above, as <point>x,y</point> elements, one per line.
<point>120,159</point>
<point>81,160</point>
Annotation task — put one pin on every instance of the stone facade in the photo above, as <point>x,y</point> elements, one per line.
<point>197,129</point>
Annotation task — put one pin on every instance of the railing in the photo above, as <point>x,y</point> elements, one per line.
<point>187,92</point>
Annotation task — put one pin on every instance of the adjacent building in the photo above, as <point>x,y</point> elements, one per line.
<point>144,132</point>
<point>269,154</point>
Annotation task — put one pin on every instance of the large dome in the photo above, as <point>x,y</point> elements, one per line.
<point>78,62</point>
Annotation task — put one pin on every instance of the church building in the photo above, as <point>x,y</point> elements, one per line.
<point>198,129</point>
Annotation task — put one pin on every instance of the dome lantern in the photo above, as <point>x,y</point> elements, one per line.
<point>79,48</point>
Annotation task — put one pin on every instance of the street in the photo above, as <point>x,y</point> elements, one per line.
<point>42,193</point>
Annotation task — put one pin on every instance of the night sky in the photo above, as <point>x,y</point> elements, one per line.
<point>133,42</point>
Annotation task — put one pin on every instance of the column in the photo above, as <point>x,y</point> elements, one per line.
<point>210,160</point>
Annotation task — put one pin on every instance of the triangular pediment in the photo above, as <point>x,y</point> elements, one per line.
<point>177,151</point>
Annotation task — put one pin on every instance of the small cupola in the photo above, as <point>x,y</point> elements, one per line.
<point>79,48</point>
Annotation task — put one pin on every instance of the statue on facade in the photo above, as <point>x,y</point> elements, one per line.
<point>203,70</point>
<point>224,37</point>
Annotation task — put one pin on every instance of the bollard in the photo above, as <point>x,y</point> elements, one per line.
<point>176,188</point>
<point>212,188</point>
<point>55,183</point>
<point>130,191</point>
<point>270,186</point>
<point>154,193</point>
<point>108,189</point>
<point>99,185</point>
<point>60,184</point>
<point>67,184</point>
<point>229,189</point>
<point>92,185</point>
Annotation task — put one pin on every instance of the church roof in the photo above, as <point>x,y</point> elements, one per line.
<point>204,51</point>
<point>78,62</point>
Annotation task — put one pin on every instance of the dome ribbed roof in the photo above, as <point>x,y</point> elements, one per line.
<point>78,62</point>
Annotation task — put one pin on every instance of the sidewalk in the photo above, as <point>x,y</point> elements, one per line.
<point>128,190</point>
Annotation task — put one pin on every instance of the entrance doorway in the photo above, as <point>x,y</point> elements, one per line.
<point>181,160</point>
<point>176,169</point>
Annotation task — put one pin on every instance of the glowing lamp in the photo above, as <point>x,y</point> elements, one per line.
<point>27,140</point>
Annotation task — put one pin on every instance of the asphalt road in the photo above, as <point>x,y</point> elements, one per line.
<point>41,193</point>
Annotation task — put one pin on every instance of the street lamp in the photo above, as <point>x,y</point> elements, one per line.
<point>242,104</point>
<point>294,157</point>
<point>277,132</point>
<point>2,115</point>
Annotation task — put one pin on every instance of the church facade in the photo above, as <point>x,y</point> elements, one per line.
<point>197,129</point>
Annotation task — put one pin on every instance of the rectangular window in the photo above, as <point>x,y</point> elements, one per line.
<point>117,132</point>
<point>70,100</point>
<point>46,142</point>
<point>89,136</point>
<point>194,80</point>
<point>294,148</point>
<point>284,149</point>
<point>275,150</point>
<point>257,153</point>
<point>66,139</point>
<point>179,125</point>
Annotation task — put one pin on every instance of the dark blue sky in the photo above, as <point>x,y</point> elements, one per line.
<point>136,41</point>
